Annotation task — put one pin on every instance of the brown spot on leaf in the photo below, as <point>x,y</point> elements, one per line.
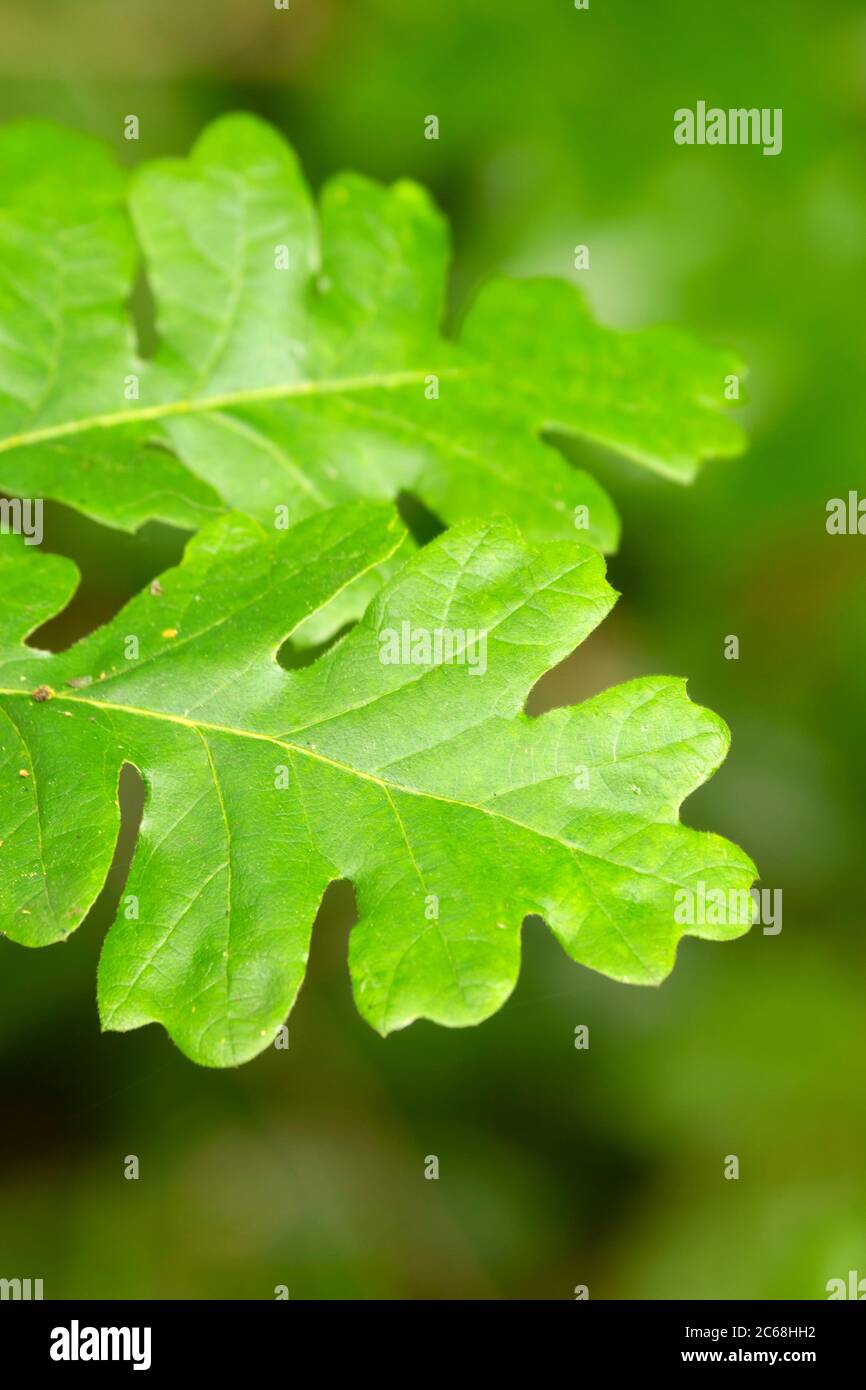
<point>42,693</point>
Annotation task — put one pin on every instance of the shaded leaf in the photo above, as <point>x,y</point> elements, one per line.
<point>298,347</point>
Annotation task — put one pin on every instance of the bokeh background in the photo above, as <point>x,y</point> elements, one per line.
<point>558,1167</point>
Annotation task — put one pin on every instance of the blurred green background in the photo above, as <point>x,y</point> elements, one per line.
<point>558,1167</point>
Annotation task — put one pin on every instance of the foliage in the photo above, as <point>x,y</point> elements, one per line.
<point>451,811</point>
<point>300,358</point>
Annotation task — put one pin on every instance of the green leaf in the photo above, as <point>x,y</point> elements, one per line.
<point>297,349</point>
<point>67,259</point>
<point>452,813</point>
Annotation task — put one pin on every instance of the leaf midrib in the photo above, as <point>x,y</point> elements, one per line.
<point>325,386</point>
<point>200,725</point>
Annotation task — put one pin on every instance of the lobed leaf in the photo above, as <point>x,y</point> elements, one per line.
<point>298,349</point>
<point>452,813</point>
